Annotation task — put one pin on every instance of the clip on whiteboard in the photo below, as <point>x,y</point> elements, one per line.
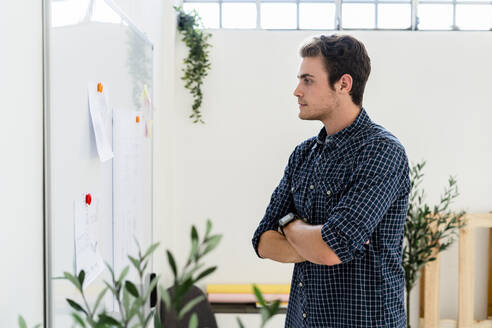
<point>88,199</point>
<point>99,87</point>
<point>137,119</point>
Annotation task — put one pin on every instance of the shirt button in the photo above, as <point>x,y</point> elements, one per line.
<point>304,315</point>
<point>328,192</point>
<point>311,187</point>
<point>301,284</point>
<point>292,189</point>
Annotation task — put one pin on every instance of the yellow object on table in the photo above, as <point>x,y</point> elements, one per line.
<point>247,288</point>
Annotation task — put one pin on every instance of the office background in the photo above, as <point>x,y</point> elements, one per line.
<point>432,89</point>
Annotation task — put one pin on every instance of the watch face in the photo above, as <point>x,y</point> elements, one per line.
<point>286,219</point>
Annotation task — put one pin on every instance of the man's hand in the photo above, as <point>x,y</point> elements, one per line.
<point>274,246</point>
<point>307,241</point>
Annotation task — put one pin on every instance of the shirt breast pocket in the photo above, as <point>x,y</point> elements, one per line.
<point>329,195</point>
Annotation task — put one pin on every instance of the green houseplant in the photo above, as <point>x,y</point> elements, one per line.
<point>132,296</point>
<point>197,62</point>
<point>428,231</point>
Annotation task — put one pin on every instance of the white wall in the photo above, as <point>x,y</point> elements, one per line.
<point>21,167</point>
<point>431,89</point>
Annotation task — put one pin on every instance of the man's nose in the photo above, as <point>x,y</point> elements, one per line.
<point>297,92</point>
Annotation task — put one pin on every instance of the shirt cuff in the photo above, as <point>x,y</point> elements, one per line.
<point>344,247</point>
<point>256,238</point>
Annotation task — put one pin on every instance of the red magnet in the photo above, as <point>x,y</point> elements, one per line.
<point>88,199</point>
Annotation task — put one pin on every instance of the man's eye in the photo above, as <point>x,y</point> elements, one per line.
<point>307,81</point>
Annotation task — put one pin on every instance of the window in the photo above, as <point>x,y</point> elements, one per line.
<point>345,14</point>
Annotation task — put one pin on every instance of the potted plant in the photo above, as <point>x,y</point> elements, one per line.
<point>428,231</point>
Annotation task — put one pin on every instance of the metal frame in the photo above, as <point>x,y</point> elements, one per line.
<point>338,12</point>
<point>47,222</point>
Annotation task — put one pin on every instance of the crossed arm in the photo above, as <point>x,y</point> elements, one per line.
<point>303,242</point>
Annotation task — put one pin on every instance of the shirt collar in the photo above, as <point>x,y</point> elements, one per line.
<point>346,133</point>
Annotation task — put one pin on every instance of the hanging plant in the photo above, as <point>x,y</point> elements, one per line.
<point>197,63</point>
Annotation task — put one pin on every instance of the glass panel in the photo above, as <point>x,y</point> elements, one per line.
<point>474,17</point>
<point>239,15</point>
<point>278,16</point>
<point>435,17</point>
<point>394,16</point>
<point>209,12</point>
<point>358,15</point>
<point>68,12</point>
<point>104,14</point>
<point>317,15</point>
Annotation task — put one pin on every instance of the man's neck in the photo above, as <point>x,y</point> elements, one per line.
<point>341,118</point>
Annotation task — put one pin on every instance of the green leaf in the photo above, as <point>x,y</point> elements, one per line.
<point>78,319</point>
<point>135,262</point>
<point>165,297</point>
<point>194,233</point>
<point>99,298</point>
<point>205,273</point>
<point>110,270</point>
<point>76,306</point>
<point>212,243</point>
<point>130,287</point>
<point>172,263</point>
<point>151,250</point>
<point>208,229</point>
<point>190,306</point>
<point>239,322</point>
<point>123,273</point>
<point>126,301</point>
<point>22,322</point>
<point>151,287</point>
<point>157,321</point>
<point>75,281</point>
<point>193,321</point>
<point>259,296</point>
<point>81,277</point>
<point>108,320</point>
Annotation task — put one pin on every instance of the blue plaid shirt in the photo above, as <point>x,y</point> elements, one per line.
<point>356,184</point>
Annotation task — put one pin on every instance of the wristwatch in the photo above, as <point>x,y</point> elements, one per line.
<point>283,222</point>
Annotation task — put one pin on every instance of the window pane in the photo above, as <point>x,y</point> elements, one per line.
<point>278,16</point>
<point>474,17</point>
<point>317,15</point>
<point>209,12</point>
<point>394,16</point>
<point>355,15</point>
<point>239,15</point>
<point>435,17</point>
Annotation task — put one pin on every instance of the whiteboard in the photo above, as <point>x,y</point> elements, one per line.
<point>93,41</point>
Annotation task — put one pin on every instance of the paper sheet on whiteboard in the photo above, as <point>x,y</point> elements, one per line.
<point>87,255</point>
<point>128,184</point>
<point>100,114</point>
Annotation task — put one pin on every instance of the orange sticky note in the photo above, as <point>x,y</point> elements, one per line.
<point>138,119</point>
<point>99,87</point>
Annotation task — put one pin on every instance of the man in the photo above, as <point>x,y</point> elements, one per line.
<point>348,189</point>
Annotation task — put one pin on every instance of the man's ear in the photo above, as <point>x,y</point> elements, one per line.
<point>345,83</point>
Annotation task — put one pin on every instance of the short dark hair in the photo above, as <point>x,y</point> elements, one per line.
<point>342,54</point>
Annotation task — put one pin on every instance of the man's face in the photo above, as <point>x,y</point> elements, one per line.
<point>316,99</point>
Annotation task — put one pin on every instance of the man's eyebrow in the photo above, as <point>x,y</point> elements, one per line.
<point>304,75</point>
